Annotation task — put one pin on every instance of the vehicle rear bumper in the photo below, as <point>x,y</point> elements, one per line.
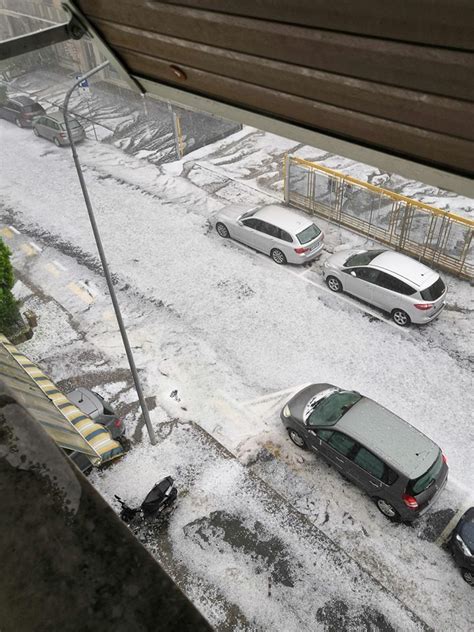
<point>421,318</point>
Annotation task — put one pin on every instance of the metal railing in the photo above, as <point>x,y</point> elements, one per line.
<point>436,237</point>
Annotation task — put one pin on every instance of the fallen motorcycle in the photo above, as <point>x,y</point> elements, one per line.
<point>158,502</point>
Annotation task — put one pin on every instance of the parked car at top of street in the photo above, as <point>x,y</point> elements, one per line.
<point>461,544</point>
<point>398,466</point>
<point>94,406</point>
<point>284,234</point>
<point>53,127</point>
<point>21,110</point>
<point>408,290</point>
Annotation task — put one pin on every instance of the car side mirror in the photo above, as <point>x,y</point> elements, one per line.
<point>353,273</point>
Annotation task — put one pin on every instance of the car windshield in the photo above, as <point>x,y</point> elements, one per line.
<point>421,483</point>
<point>467,534</point>
<point>247,214</point>
<point>330,409</point>
<point>308,234</point>
<point>362,258</point>
<point>34,107</point>
<point>434,291</point>
<point>72,124</point>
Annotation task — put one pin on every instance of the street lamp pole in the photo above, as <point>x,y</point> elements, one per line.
<point>103,259</point>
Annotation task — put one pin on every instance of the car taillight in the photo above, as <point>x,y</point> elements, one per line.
<point>409,501</point>
<point>423,306</point>
<point>63,134</point>
<point>445,460</point>
<point>300,251</point>
<point>117,423</point>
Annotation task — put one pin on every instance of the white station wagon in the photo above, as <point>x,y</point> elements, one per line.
<point>284,234</point>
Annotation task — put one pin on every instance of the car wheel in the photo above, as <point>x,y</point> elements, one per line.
<point>468,576</point>
<point>278,256</point>
<point>400,318</point>
<point>334,284</point>
<point>18,122</point>
<point>387,509</point>
<point>222,230</point>
<point>297,439</point>
<point>35,131</point>
<point>56,142</point>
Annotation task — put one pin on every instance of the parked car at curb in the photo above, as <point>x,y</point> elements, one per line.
<point>407,289</point>
<point>101,412</point>
<point>53,127</point>
<point>461,544</point>
<point>286,235</point>
<point>398,466</point>
<point>21,110</point>
<point>94,406</point>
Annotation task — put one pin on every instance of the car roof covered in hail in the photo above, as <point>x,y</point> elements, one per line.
<point>405,268</point>
<point>399,443</point>
<point>396,441</point>
<point>284,218</point>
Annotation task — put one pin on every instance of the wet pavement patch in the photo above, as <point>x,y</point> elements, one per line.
<point>434,524</point>
<point>336,616</point>
<point>268,551</point>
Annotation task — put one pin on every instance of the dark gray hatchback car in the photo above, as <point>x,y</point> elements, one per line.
<point>398,466</point>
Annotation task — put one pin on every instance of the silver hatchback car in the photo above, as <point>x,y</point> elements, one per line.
<point>53,127</point>
<point>286,235</point>
<point>408,290</point>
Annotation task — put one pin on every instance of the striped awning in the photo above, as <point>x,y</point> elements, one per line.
<point>62,420</point>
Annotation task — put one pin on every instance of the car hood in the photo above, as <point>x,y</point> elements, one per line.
<point>232,212</point>
<point>338,259</point>
<point>298,402</point>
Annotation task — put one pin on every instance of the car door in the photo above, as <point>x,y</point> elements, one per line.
<point>265,236</point>
<point>269,237</point>
<point>11,111</point>
<point>389,292</point>
<point>53,130</point>
<point>44,128</point>
<point>247,231</point>
<point>336,447</point>
<point>369,472</point>
<point>39,125</point>
<point>360,282</point>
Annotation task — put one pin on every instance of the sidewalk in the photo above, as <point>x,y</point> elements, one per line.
<point>240,552</point>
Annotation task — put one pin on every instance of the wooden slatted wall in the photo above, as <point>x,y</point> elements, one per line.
<point>395,76</point>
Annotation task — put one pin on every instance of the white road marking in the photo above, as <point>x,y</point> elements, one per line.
<point>337,295</point>
<point>28,250</point>
<point>14,230</point>
<point>59,265</point>
<point>84,296</point>
<point>445,533</point>
<point>93,291</point>
<point>33,245</point>
<point>6,232</point>
<point>52,269</point>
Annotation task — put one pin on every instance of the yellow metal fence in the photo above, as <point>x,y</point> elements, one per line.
<point>438,238</point>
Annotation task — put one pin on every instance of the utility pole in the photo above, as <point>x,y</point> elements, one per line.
<point>103,259</point>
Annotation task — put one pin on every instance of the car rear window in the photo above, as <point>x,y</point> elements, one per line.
<point>434,291</point>
<point>362,258</point>
<point>72,124</point>
<point>34,107</point>
<point>308,234</point>
<point>418,485</point>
